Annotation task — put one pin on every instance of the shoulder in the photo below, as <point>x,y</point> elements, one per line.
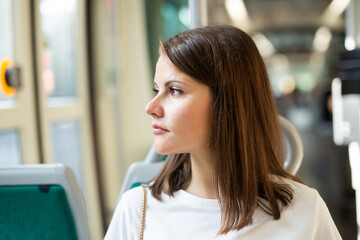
<point>308,207</point>
<point>301,192</point>
<point>130,203</point>
<point>132,196</point>
<point>305,196</point>
<point>126,220</point>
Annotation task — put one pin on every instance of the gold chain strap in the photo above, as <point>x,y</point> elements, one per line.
<point>143,213</point>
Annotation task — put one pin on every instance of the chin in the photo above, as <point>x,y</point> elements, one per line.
<point>161,150</point>
<point>164,149</point>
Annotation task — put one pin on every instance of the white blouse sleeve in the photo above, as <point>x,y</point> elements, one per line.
<point>325,227</point>
<point>126,221</point>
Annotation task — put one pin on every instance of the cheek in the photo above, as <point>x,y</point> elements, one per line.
<point>193,122</point>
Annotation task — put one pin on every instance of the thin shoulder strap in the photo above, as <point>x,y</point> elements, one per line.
<point>143,213</point>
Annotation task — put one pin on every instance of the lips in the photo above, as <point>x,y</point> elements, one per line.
<point>158,129</point>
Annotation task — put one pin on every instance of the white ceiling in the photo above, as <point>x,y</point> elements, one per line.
<point>276,14</point>
<point>290,25</point>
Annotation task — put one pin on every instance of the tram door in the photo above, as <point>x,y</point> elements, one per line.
<point>18,135</point>
<point>47,119</point>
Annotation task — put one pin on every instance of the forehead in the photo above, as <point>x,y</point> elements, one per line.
<point>165,67</point>
<point>167,71</point>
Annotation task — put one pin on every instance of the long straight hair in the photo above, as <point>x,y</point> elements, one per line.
<point>245,131</point>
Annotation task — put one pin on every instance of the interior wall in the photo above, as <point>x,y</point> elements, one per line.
<point>134,89</point>
<point>123,88</point>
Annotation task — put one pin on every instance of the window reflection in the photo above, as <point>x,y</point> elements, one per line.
<point>58,23</point>
<point>10,153</point>
<point>66,147</point>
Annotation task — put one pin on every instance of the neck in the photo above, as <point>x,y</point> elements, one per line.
<point>202,176</point>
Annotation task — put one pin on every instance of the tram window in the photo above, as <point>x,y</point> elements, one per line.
<point>66,147</point>
<point>10,153</point>
<point>58,24</point>
<point>6,38</point>
<point>164,18</point>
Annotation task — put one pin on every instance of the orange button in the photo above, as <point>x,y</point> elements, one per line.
<point>5,88</point>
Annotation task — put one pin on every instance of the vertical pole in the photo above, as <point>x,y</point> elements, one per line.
<point>198,13</point>
<point>354,157</point>
<point>352,41</point>
<point>356,19</point>
<point>352,25</point>
<point>358,212</point>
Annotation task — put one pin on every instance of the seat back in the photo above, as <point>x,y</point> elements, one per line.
<point>41,202</point>
<point>293,146</point>
<point>141,172</point>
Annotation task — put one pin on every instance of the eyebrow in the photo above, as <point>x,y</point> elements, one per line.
<point>170,82</point>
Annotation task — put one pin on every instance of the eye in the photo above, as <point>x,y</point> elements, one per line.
<point>175,91</point>
<point>155,90</point>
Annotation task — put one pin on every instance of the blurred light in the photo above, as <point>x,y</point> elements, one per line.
<point>50,7</point>
<point>337,111</point>
<point>184,16</point>
<point>237,11</point>
<point>322,39</point>
<point>49,81</point>
<point>354,157</point>
<point>334,10</point>
<point>305,82</point>
<point>286,84</point>
<point>350,43</point>
<point>264,45</point>
<point>301,117</point>
<point>279,62</point>
<point>46,60</point>
<point>317,60</point>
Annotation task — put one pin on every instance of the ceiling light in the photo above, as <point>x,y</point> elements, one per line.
<point>237,12</point>
<point>322,39</point>
<point>264,45</point>
<point>350,43</point>
<point>334,10</point>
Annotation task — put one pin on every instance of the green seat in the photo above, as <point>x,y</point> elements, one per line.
<point>35,212</point>
<point>42,201</point>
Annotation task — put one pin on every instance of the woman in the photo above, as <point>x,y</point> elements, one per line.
<point>214,114</point>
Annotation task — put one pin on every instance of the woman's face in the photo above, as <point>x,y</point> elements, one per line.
<point>180,111</point>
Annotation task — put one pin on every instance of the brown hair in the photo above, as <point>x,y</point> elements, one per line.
<point>246,135</point>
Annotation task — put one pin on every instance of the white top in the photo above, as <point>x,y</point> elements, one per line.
<point>185,216</point>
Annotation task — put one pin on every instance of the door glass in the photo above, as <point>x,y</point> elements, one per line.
<point>6,41</point>
<point>58,24</point>
<point>66,147</point>
<point>10,153</point>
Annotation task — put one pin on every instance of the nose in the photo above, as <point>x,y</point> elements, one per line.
<point>154,108</point>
